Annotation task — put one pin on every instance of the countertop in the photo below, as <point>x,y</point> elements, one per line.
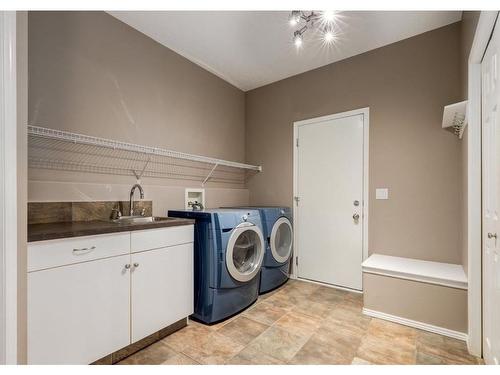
<point>52,231</point>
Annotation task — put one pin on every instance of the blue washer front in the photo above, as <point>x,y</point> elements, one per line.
<point>278,231</point>
<point>229,248</point>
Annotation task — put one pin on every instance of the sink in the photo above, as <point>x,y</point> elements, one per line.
<point>140,219</point>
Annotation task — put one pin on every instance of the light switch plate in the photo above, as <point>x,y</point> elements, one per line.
<point>382,193</point>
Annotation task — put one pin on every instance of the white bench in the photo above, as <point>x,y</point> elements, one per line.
<point>446,274</point>
<point>427,295</point>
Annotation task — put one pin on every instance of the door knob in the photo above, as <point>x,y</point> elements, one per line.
<point>136,265</point>
<point>355,216</point>
<point>127,266</point>
<point>492,235</point>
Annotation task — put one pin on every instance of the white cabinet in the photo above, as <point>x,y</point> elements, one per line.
<point>88,303</point>
<point>78,313</point>
<point>159,279</point>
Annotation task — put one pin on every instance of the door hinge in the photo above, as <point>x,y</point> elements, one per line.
<point>297,199</point>
<point>297,261</point>
<point>297,142</point>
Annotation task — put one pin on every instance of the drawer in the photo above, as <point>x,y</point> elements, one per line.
<point>163,237</point>
<point>54,253</point>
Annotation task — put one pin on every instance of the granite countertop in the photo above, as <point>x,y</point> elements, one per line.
<point>52,231</point>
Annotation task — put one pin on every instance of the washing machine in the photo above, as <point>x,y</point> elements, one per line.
<point>229,248</point>
<point>278,232</point>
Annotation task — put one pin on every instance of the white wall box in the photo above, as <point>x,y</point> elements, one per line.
<point>82,310</point>
<point>193,195</point>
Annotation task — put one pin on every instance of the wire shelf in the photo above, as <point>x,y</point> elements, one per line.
<point>61,150</point>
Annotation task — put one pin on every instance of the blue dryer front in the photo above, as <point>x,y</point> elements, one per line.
<point>278,232</point>
<point>229,248</point>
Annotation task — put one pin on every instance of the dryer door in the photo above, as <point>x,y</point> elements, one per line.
<point>245,251</point>
<point>281,240</point>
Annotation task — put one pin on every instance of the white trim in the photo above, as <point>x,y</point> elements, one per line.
<point>484,30</point>
<point>8,190</point>
<point>416,324</point>
<point>436,273</point>
<point>366,158</point>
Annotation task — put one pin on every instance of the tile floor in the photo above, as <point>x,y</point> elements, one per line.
<point>303,323</point>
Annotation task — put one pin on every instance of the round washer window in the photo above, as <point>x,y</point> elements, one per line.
<point>281,240</point>
<point>245,251</point>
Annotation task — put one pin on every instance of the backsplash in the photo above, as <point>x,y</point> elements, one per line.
<point>56,212</point>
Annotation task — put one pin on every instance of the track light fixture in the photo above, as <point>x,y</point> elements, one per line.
<point>322,22</point>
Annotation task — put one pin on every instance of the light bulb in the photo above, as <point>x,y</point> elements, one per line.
<point>329,36</point>
<point>297,39</point>
<point>294,18</point>
<point>328,16</point>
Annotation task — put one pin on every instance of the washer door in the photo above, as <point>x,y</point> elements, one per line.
<point>281,240</point>
<point>245,251</point>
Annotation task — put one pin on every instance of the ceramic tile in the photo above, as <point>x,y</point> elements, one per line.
<point>154,354</point>
<point>298,324</point>
<point>187,336</point>
<point>359,361</point>
<point>303,323</point>
<point>380,351</point>
<point>265,313</point>
<point>318,353</point>
<point>450,350</point>
<point>180,359</point>
<point>278,343</point>
<point>216,349</point>
<point>250,356</point>
<point>242,330</point>
<point>326,295</point>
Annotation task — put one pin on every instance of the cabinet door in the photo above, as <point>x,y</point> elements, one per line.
<point>162,288</point>
<point>78,313</point>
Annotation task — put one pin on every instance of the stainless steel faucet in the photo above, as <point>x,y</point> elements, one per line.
<point>132,191</point>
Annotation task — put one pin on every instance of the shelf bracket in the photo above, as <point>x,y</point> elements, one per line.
<point>209,174</point>
<point>139,175</point>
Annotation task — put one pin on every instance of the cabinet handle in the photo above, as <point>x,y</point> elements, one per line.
<point>87,249</point>
<point>127,266</point>
<point>136,265</point>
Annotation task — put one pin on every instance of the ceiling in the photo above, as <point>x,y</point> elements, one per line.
<point>250,49</point>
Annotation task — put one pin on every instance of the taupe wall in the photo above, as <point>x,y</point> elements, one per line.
<point>469,23</point>
<point>92,74</point>
<point>433,304</point>
<point>406,85</point>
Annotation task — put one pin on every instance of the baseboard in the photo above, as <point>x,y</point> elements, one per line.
<point>415,324</point>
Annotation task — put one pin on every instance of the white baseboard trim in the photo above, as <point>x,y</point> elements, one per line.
<point>415,324</point>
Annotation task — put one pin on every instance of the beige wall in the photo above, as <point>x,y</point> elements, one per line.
<point>468,28</point>
<point>406,85</point>
<point>432,304</point>
<point>92,74</point>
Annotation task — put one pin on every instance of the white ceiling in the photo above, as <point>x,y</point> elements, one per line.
<point>250,49</point>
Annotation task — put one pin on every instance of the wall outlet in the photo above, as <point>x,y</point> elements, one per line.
<point>382,193</point>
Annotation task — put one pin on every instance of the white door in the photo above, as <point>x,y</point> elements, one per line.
<point>491,195</point>
<point>162,288</point>
<point>78,313</point>
<point>329,188</point>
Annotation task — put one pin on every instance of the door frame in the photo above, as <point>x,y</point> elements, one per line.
<point>8,189</point>
<point>482,36</point>
<point>366,137</point>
